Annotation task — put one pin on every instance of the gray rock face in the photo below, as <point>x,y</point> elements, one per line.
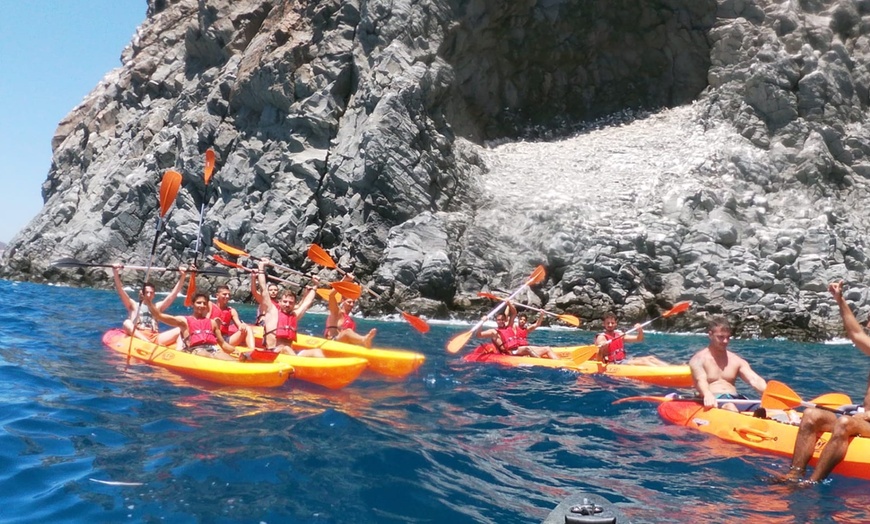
<point>440,148</point>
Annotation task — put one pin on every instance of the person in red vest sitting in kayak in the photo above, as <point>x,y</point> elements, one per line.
<point>715,369</point>
<point>234,330</point>
<point>340,326</point>
<point>507,340</point>
<point>280,323</point>
<point>201,334</point>
<point>522,330</point>
<point>146,327</point>
<point>815,421</point>
<point>611,344</point>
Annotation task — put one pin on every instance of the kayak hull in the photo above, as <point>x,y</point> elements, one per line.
<point>677,376</point>
<point>225,372</point>
<point>395,363</point>
<point>332,373</point>
<point>763,435</point>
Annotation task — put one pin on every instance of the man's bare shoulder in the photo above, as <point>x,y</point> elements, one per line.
<point>701,355</point>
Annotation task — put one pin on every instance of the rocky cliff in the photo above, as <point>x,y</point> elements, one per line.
<point>644,151</point>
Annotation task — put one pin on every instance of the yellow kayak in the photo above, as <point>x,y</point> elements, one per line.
<point>677,376</point>
<point>332,373</point>
<point>226,372</point>
<point>394,363</point>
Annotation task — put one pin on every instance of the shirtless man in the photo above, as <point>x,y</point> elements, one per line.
<point>611,344</point>
<point>272,292</point>
<point>715,369</point>
<point>233,329</point>
<point>202,335</point>
<point>146,327</point>
<point>340,325</point>
<point>816,421</point>
<point>280,323</point>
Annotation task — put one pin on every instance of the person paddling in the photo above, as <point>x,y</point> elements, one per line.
<point>715,369</point>
<point>201,334</point>
<point>340,326</point>
<point>507,340</point>
<point>146,327</point>
<point>611,344</point>
<point>816,421</point>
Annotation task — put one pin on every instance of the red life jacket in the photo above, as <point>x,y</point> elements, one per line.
<point>522,335</point>
<point>509,340</point>
<point>286,326</point>
<point>228,327</point>
<point>346,323</point>
<point>616,348</point>
<point>201,333</point>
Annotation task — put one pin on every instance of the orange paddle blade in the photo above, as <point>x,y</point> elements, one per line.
<point>221,260</point>
<point>642,398</point>
<point>569,319</point>
<point>324,293</point>
<point>209,164</point>
<point>832,400</point>
<point>584,354</point>
<point>458,342</point>
<point>538,276</point>
<point>169,189</point>
<point>779,396</point>
<point>320,256</point>
<point>490,296</point>
<point>416,322</point>
<point>191,290</point>
<point>347,289</point>
<point>229,249</point>
<point>678,308</point>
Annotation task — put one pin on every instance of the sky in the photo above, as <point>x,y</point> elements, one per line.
<point>52,54</point>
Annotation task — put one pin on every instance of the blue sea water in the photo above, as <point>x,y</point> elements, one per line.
<point>453,443</point>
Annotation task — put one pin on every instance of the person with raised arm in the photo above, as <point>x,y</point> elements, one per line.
<point>280,322</point>
<point>611,344</point>
<point>816,421</point>
<point>146,327</point>
<point>340,325</point>
<point>201,334</point>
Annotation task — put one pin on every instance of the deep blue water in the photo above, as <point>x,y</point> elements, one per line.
<point>454,443</point>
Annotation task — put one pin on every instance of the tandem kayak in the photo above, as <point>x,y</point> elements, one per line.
<point>762,434</point>
<point>226,372</point>
<point>586,508</point>
<point>332,373</point>
<point>394,363</point>
<point>676,376</point>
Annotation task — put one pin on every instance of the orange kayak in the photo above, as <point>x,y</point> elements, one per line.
<point>762,434</point>
<point>676,376</point>
<point>226,372</point>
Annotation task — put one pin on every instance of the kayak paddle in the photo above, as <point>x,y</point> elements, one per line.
<point>646,398</point>
<point>207,171</point>
<point>322,292</point>
<point>779,396</point>
<point>72,263</point>
<point>321,257</point>
<point>458,342</point>
<point>568,319</point>
<point>169,186</point>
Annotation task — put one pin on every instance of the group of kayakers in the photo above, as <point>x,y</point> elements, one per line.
<point>214,329</point>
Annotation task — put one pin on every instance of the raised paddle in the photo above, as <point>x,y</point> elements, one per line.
<point>568,319</point>
<point>779,396</point>
<point>458,342</point>
<point>321,292</point>
<point>169,186</point>
<point>207,171</point>
<point>236,252</point>
<point>321,257</point>
<point>72,263</point>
